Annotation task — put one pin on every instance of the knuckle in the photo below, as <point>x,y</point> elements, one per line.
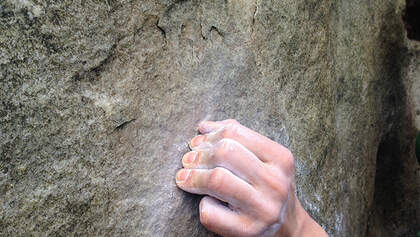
<point>251,226</point>
<point>231,121</point>
<point>289,162</point>
<point>281,191</point>
<point>268,217</point>
<point>277,183</point>
<point>223,150</point>
<point>270,212</point>
<point>216,179</point>
<point>272,215</point>
<point>225,146</point>
<point>255,229</point>
<point>285,161</point>
<point>231,130</point>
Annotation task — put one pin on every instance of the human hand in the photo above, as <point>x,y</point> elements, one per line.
<point>249,172</point>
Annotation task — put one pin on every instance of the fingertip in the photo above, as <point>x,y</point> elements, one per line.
<point>208,126</point>
<point>182,176</point>
<point>202,204</point>
<point>189,159</point>
<point>220,219</point>
<point>196,141</point>
<point>205,211</point>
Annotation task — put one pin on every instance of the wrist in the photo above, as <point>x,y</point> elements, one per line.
<point>295,220</point>
<point>298,223</point>
<point>310,227</point>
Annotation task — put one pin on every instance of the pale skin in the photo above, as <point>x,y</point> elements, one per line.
<point>248,183</point>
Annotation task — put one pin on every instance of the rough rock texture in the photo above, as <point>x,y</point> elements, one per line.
<point>98,100</point>
<point>396,209</point>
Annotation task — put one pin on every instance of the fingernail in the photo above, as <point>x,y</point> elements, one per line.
<point>182,175</point>
<point>206,127</point>
<point>196,141</point>
<point>190,157</point>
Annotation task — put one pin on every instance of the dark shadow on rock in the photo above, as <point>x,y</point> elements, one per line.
<point>412,19</point>
<point>395,206</point>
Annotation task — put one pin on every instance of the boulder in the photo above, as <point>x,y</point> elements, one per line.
<point>100,98</point>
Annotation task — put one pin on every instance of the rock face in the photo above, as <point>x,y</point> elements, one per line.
<point>396,206</point>
<point>98,100</point>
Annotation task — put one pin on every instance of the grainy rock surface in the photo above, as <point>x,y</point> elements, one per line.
<point>396,207</point>
<point>98,100</point>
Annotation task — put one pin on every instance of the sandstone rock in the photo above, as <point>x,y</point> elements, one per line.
<point>99,100</point>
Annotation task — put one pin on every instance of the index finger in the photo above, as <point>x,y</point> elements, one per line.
<point>264,148</point>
